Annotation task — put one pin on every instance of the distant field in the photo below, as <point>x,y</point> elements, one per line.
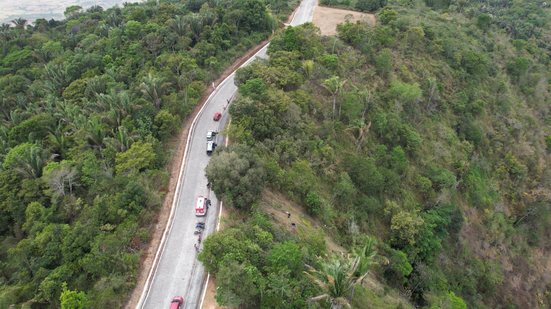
<point>33,9</point>
<point>327,19</point>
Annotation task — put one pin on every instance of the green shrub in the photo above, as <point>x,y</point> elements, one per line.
<point>387,15</point>
<point>313,203</point>
<point>383,62</point>
<point>369,5</point>
<point>442,178</point>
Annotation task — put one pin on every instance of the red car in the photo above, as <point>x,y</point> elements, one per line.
<point>217,116</point>
<point>177,302</point>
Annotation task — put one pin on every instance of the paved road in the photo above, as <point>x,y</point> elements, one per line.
<point>178,272</point>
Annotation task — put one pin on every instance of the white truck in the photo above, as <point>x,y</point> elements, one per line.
<point>211,141</point>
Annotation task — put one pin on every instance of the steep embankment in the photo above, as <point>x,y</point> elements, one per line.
<point>428,132</point>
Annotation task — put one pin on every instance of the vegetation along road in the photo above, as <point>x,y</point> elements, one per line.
<point>178,272</point>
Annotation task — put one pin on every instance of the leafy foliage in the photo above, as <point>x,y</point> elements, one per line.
<point>87,107</point>
<point>237,176</point>
<point>425,130</point>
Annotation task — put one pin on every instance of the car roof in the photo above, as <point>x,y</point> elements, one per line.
<point>200,202</point>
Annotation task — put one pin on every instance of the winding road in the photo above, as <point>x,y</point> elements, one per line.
<point>176,270</point>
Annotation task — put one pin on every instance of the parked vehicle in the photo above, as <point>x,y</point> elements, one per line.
<point>217,116</point>
<point>177,302</point>
<point>201,206</point>
<point>211,145</point>
<point>211,135</point>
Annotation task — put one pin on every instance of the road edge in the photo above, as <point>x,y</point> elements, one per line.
<point>186,130</point>
<point>238,63</point>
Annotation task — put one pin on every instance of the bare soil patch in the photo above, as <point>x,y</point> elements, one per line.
<point>278,207</point>
<point>327,18</point>
<point>210,296</point>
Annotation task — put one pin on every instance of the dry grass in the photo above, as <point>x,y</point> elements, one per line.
<point>327,19</point>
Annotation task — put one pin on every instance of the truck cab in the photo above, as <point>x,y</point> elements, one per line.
<point>211,145</point>
<point>211,135</point>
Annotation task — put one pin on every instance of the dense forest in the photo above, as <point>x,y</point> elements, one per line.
<point>87,107</point>
<point>422,144</point>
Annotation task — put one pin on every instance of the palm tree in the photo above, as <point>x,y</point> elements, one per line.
<point>114,19</point>
<point>116,103</point>
<point>56,77</point>
<point>4,145</point>
<point>59,139</point>
<point>195,22</point>
<point>19,23</point>
<point>95,133</point>
<point>367,254</point>
<point>153,87</point>
<point>5,36</point>
<point>123,139</point>
<point>334,85</point>
<point>179,25</point>
<point>362,128</point>
<point>337,279</point>
<point>367,100</point>
<point>31,163</point>
<point>95,86</point>
<point>308,67</point>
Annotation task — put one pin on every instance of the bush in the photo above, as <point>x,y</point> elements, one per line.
<point>313,203</point>
<point>518,67</point>
<point>398,267</point>
<point>237,176</point>
<point>383,62</point>
<point>483,21</point>
<point>387,15</point>
<point>365,174</point>
<point>442,178</point>
<point>166,124</point>
<point>369,5</point>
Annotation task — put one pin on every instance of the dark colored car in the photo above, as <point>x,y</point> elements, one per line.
<point>217,116</point>
<point>177,302</point>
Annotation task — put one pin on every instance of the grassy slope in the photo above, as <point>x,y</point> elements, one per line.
<point>481,127</point>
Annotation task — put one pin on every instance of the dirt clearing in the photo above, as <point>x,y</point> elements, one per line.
<point>327,19</point>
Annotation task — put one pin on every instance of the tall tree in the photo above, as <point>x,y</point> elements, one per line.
<point>19,23</point>
<point>334,85</point>
<point>152,87</point>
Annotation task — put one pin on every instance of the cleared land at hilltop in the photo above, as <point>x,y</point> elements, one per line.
<point>327,19</point>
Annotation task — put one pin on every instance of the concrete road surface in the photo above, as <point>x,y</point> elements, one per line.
<point>178,272</point>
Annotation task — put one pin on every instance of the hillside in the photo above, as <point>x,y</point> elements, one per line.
<point>89,107</point>
<point>422,145</point>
